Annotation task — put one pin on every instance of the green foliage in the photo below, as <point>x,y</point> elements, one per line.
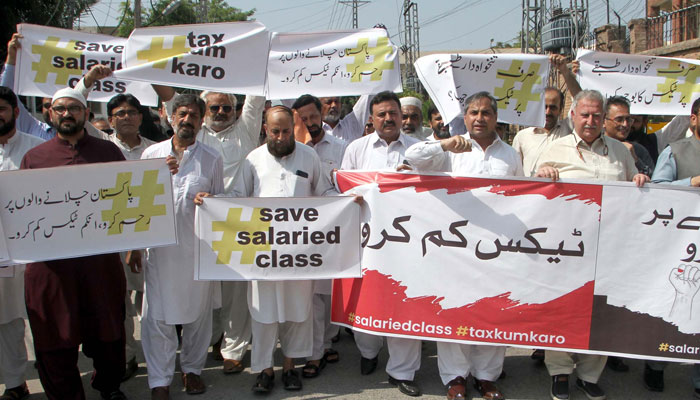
<point>188,12</point>
<point>58,13</point>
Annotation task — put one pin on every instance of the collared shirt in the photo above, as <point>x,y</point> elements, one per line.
<point>605,159</point>
<point>352,126</point>
<point>498,159</point>
<point>373,153</point>
<point>12,152</point>
<point>238,140</point>
<point>666,170</point>
<point>330,151</point>
<point>172,294</point>
<point>131,153</point>
<point>295,175</point>
<point>531,142</point>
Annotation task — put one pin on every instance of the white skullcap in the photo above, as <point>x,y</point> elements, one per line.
<point>69,92</point>
<point>411,101</point>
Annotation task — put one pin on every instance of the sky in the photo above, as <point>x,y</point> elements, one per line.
<point>444,24</point>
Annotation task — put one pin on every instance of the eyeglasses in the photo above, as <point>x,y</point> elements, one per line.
<point>124,113</point>
<point>215,109</point>
<point>621,120</point>
<point>580,154</point>
<point>70,109</point>
<point>46,105</point>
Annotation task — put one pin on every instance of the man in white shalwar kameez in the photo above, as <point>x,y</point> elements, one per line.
<point>478,152</point>
<point>384,149</point>
<point>172,295</point>
<point>330,151</point>
<point>13,352</point>
<point>281,308</point>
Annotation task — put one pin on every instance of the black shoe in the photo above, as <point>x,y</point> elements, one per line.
<point>560,387</point>
<point>617,364</point>
<point>368,365</point>
<point>264,382</point>
<point>653,379</point>
<point>131,367</point>
<point>538,355</point>
<point>408,388</point>
<point>697,393</point>
<point>591,390</point>
<point>115,395</point>
<point>291,380</point>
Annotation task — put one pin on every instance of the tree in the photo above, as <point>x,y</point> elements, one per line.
<point>58,13</point>
<point>187,12</point>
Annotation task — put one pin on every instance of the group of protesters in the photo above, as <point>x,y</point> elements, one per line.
<point>213,146</point>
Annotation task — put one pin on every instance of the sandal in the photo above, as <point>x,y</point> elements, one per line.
<point>264,382</point>
<point>311,370</point>
<point>331,356</point>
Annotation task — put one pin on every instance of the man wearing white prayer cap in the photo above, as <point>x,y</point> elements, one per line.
<point>412,118</point>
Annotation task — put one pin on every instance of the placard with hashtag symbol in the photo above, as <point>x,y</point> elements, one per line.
<point>49,214</point>
<point>52,58</point>
<point>226,57</point>
<point>516,81</point>
<point>277,238</point>
<point>346,63</point>
<point>653,85</point>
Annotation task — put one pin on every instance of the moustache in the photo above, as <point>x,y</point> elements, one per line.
<point>63,119</point>
<point>186,125</point>
<point>388,123</point>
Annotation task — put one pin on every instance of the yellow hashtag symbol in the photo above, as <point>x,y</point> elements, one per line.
<point>369,60</point>
<point>671,85</point>
<point>462,330</point>
<point>351,317</point>
<point>515,74</point>
<point>47,52</point>
<point>228,243</point>
<point>123,195</point>
<point>663,347</point>
<point>161,55</point>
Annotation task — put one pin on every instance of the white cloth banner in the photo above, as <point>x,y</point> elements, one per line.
<point>515,80</point>
<point>652,84</point>
<point>227,57</point>
<point>269,238</point>
<point>52,58</point>
<point>342,63</point>
<point>51,214</point>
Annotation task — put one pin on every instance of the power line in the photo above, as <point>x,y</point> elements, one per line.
<point>288,8</point>
<point>476,29</point>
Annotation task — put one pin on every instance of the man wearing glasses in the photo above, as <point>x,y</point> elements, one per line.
<point>618,123</point>
<point>585,154</point>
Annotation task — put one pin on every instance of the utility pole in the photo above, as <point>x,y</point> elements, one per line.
<point>411,47</point>
<point>137,13</point>
<point>204,11</point>
<point>355,4</point>
<point>534,12</point>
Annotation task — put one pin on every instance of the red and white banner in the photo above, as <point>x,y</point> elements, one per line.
<point>522,263</point>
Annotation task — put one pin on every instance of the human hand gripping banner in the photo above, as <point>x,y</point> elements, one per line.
<point>522,263</point>
<point>339,63</point>
<point>271,238</point>
<point>228,57</point>
<point>112,207</point>
<point>517,81</point>
<point>653,85</point>
<point>52,58</point>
